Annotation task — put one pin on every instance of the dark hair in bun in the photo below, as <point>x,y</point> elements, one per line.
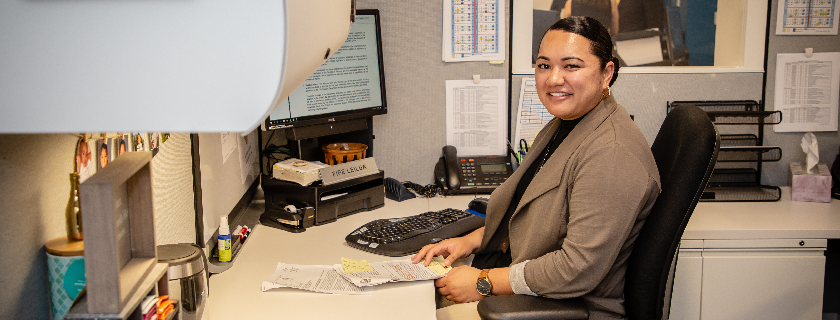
<point>593,30</point>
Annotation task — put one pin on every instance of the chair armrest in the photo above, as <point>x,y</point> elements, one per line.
<point>525,307</point>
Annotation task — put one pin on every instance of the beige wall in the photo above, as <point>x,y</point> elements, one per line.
<point>34,189</point>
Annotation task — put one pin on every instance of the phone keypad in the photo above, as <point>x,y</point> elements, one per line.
<point>473,178</point>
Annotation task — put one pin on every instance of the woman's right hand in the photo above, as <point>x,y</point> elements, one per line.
<point>452,249</point>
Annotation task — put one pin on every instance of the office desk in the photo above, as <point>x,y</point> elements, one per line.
<point>765,220</point>
<point>754,260</point>
<point>236,294</point>
<point>762,229</point>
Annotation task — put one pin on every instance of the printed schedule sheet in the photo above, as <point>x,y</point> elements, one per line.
<point>807,17</point>
<point>473,30</point>
<point>807,91</point>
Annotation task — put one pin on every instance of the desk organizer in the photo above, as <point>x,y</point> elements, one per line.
<point>737,173</point>
<point>330,202</point>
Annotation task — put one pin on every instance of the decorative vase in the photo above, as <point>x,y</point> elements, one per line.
<point>73,214</point>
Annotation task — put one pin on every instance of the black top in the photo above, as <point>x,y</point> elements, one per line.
<point>499,240</point>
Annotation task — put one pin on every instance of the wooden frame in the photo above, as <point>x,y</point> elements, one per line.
<point>120,249</point>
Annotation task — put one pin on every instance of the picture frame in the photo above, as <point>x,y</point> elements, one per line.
<point>104,150</point>
<point>122,253</point>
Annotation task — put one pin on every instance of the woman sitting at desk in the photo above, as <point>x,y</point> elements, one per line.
<point>564,223</point>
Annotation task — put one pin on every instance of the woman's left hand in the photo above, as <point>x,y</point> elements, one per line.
<point>459,284</point>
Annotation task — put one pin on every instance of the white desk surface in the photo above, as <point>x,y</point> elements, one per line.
<point>236,294</point>
<point>783,219</point>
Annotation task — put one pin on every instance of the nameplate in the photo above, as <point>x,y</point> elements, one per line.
<point>348,170</point>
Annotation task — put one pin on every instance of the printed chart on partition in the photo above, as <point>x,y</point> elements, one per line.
<point>532,115</point>
<point>473,30</point>
<point>807,91</point>
<point>803,17</point>
<point>476,116</point>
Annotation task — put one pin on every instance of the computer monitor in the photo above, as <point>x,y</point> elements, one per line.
<point>349,85</point>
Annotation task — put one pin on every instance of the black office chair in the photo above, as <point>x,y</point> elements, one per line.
<point>685,151</point>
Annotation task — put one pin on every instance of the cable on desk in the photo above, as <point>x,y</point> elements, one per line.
<point>429,190</point>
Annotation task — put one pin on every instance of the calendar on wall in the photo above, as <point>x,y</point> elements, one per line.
<point>807,17</point>
<point>473,30</point>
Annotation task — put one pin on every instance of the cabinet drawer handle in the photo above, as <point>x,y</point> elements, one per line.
<point>801,243</point>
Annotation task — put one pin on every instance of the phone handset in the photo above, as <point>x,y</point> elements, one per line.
<point>453,170</point>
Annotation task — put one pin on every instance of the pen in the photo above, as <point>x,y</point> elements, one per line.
<point>514,152</point>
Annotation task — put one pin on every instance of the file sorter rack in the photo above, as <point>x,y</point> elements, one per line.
<point>737,173</point>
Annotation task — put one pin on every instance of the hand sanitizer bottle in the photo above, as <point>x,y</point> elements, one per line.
<point>224,240</point>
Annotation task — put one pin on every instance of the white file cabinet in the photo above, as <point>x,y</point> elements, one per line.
<point>749,279</point>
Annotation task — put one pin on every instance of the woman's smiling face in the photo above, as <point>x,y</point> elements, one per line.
<point>570,81</point>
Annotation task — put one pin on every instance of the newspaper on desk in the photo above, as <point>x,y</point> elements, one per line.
<point>322,279</point>
<point>366,275</point>
<point>351,277</point>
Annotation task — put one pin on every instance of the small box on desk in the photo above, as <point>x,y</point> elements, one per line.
<point>300,171</point>
<point>810,187</point>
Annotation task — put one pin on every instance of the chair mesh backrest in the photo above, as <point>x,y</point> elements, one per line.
<point>685,151</point>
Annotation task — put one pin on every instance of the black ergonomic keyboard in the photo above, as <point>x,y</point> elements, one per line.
<point>404,236</point>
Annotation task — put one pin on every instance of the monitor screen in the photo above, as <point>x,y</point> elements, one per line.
<point>349,85</point>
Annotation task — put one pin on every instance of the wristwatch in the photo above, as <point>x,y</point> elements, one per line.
<point>483,285</point>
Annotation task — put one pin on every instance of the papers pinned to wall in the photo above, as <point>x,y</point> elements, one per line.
<point>807,90</point>
<point>806,17</point>
<point>473,30</point>
<point>476,116</point>
<point>532,115</point>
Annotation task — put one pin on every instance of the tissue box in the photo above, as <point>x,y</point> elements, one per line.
<point>301,171</point>
<point>813,187</point>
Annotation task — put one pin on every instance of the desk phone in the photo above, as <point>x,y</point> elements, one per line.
<point>472,174</point>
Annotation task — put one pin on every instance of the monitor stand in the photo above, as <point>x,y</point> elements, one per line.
<point>329,202</point>
<point>305,142</point>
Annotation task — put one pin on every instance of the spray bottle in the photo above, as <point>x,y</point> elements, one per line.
<point>224,240</point>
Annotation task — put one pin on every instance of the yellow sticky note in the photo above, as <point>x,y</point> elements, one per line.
<point>352,266</point>
<point>438,266</point>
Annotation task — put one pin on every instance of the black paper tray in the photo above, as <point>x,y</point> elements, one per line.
<point>733,177</point>
<point>738,140</point>
<point>749,154</point>
<point>741,194</point>
<point>732,112</point>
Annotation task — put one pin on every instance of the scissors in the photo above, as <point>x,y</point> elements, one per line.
<point>523,145</point>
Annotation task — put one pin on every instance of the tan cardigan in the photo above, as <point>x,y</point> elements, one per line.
<point>579,217</point>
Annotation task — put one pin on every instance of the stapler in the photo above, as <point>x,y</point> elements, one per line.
<point>288,217</point>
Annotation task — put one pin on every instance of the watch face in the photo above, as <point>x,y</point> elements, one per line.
<point>483,287</point>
